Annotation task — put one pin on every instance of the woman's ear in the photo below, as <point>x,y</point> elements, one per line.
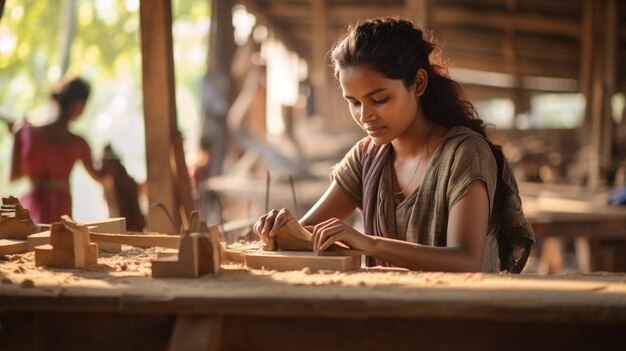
<point>421,82</point>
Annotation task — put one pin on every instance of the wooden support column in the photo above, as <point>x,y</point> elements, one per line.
<point>319,70</point>
<point>420,12</point>
<point>519,95</point>
<point>159,111</point>
<point>598,74</point>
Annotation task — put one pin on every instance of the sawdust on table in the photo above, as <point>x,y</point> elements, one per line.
<point>132,266</point>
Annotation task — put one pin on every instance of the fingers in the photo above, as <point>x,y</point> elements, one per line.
<point>267,225</point>
<point>326,234</point>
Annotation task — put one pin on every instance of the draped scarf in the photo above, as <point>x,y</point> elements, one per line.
<point>373,160</point>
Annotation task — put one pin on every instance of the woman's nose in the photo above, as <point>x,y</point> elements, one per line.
<point>366,114</point>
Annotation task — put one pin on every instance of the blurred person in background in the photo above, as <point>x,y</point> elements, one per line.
<point>46,154</point>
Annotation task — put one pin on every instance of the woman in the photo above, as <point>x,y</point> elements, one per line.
<point>425,177</point>
<point>46,155</point>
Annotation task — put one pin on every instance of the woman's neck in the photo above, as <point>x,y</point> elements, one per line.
<point>416,140</point>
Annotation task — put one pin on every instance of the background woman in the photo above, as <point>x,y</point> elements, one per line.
<point>46,154</point>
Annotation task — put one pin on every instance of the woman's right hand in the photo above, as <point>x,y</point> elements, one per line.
<point>266,226</point>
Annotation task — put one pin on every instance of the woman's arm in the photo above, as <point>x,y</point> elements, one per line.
<point>335,203</point>
<point>96,174</point>
<point>467,230</point>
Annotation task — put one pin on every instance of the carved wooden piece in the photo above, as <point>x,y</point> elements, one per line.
<point>292,236</point>
<point>198,254</point>
<point>70,246</point>
<point>15,221</point>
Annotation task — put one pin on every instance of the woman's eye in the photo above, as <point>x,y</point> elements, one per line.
<point>380,101</point>
<point>354,103</point>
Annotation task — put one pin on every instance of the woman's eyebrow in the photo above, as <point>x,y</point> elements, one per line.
<point>377,90</point>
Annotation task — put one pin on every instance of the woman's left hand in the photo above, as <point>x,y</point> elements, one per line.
<point>333,230</point>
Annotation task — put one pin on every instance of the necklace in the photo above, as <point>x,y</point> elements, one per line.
<point>419,160</point>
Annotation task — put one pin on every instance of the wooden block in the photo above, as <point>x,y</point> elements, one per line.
<point>38,239</point>
<point>198,254</point>
<point>69,246</point>
<point>43,255</point>
<point>215,258</point>
<point>184,265</point>
<point>91,254</point>
<point>166,267</point>
<point>11,246</point>
<point>167,253</point>
<point>297,260</point>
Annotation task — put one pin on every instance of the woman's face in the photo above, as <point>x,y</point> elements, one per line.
<point>383,107</point>
<point>76,109</point>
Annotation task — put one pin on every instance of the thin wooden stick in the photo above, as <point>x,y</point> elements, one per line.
<point>293,195</point>
<point>267,193</point>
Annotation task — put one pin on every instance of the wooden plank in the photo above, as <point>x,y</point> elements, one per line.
<point>196,333</point>
<point>37,239</point>
<point>159,110</point>
<point>108,225</point>
<point>298,260</point>
<point>141,240</point>
<point>11,246</point>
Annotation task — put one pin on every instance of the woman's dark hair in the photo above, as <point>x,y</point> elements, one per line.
<point>397,49</point>
<point>70,90</point>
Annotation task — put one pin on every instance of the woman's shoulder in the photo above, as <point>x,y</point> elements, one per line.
<point>463,138</point>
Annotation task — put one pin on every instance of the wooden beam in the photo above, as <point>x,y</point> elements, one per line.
<point>599,54</point>
<point>348,13</point>
<point>159,110</point>
<point>447,15</point>
<point>279,31</point>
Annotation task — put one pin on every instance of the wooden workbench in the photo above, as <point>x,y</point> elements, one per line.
<point>562,214</point>
<point>118,306</point>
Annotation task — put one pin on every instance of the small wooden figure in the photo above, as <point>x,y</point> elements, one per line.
<point>69,246</point>
<point>198,254</point>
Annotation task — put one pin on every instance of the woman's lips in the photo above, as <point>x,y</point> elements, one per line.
<point>374,131</point>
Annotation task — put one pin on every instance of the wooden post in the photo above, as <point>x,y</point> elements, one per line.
<point>159,110</point>
<point>599,41</point>
<point>420,12</point>
<point>1,8</point>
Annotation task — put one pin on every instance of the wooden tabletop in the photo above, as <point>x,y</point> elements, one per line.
<point>239,291</point>
<point>242,308</point>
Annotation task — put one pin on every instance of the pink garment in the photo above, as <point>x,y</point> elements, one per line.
<point>48,164</point>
